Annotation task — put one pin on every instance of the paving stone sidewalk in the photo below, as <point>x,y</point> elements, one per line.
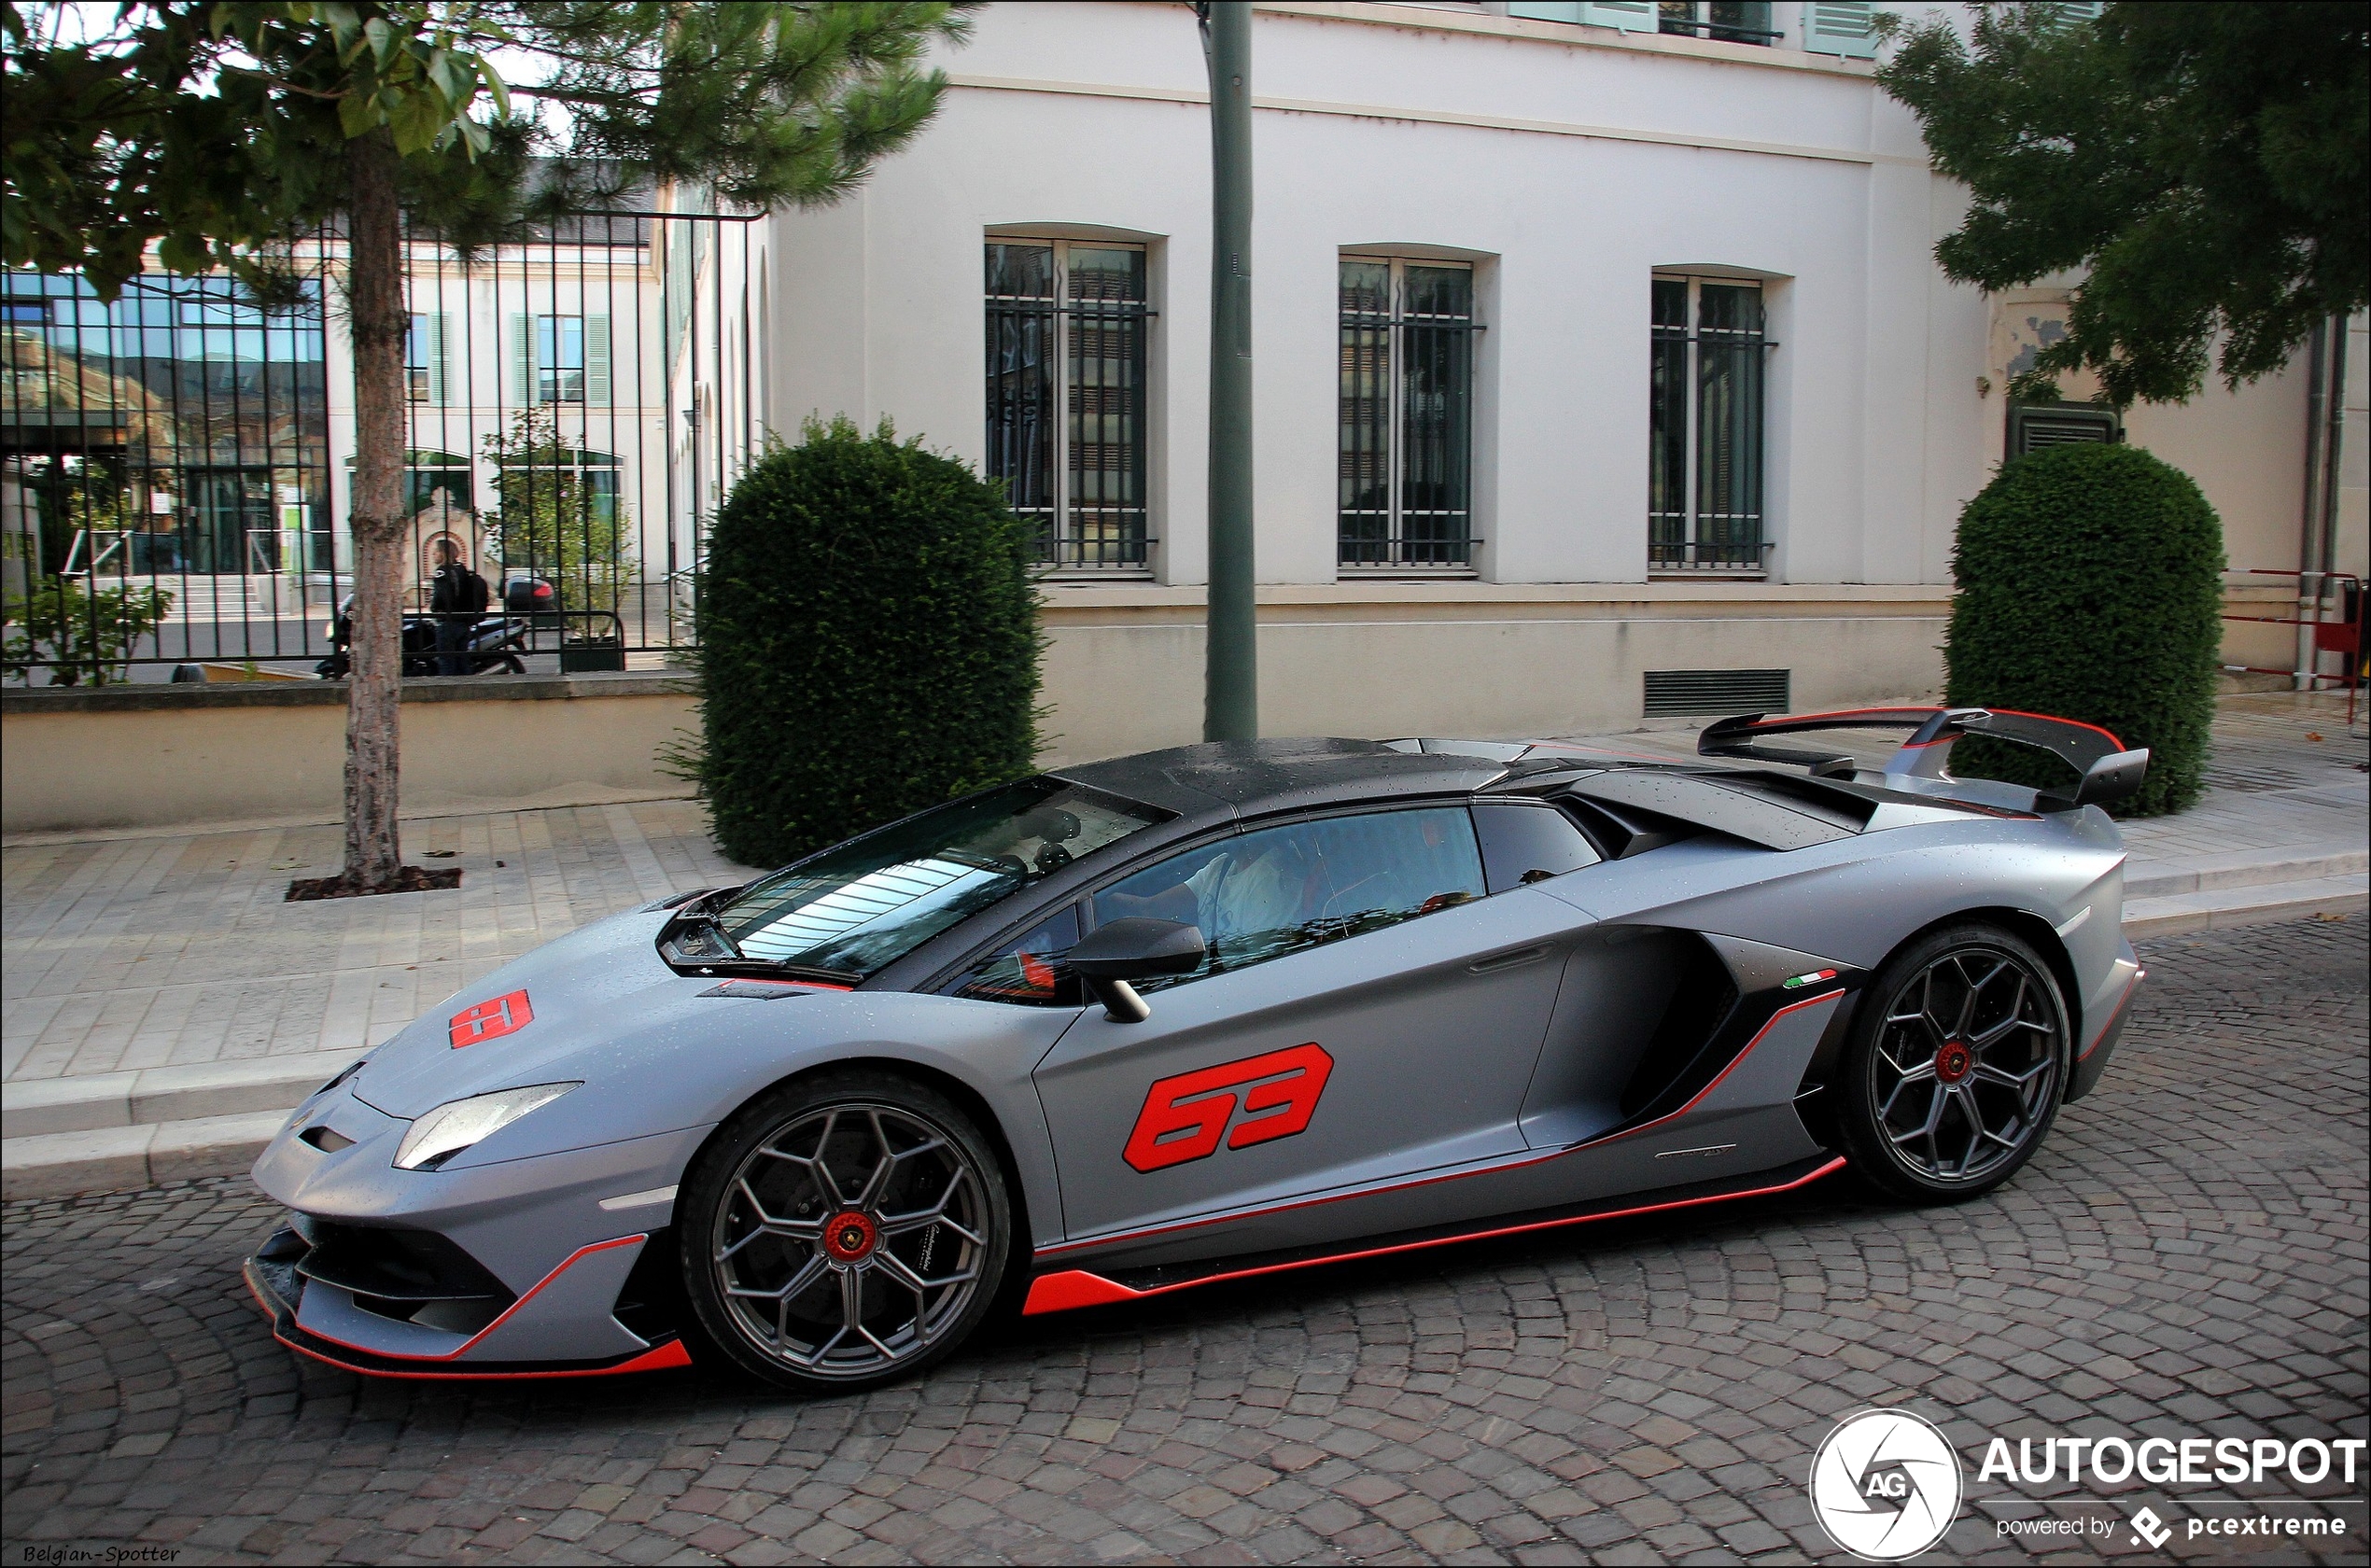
<point>2186,1256</point>
<point>129,953</point>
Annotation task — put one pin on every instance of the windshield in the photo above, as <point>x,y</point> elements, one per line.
<point>860,907</point>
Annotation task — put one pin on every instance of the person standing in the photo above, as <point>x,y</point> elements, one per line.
<point>457,597</point>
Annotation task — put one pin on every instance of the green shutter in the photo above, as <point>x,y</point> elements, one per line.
<point>440,359</point>
<point>597,361</point>
<point>1842,27</point>
<point>523,360</point>
<point>1630,16</point>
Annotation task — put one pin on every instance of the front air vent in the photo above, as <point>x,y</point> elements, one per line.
<point>1671,694</point>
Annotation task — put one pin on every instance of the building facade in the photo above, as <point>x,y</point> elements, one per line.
<point>1603,369</point>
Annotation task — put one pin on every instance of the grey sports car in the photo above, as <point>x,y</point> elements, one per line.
<point>1204,1014</point>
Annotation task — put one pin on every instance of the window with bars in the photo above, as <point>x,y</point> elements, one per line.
<point>1405,488</point>
<point>1067,327</point>
<point>1704,421</point>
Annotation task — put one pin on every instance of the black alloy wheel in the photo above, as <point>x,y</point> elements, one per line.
<point>844,1231</point>
<point>1955,1065</point>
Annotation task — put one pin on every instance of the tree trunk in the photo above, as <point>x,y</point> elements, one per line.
<point>378,322</point>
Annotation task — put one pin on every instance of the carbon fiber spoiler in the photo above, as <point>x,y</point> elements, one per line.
<point>2104,770</point>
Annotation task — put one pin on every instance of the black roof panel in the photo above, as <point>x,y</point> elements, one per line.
<point>1243,776</point>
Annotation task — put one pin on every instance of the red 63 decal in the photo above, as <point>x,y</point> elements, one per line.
<point>1185,1116</point>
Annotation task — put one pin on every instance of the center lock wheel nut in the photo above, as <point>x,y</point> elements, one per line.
<point>851,1238</point>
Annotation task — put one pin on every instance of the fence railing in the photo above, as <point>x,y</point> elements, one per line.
<point>177,466</point>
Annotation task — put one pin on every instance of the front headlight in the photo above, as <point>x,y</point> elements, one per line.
<point>461,1124</point>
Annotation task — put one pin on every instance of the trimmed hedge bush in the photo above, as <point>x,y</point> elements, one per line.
<point>2090,582</point>
<point>868,642</point>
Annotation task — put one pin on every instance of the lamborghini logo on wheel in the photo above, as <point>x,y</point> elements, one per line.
<point>1185,1116</point>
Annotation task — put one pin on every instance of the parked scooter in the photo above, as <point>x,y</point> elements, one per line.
<point>494,645</point>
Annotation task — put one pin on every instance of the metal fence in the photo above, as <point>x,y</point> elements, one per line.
<point>177,467</point>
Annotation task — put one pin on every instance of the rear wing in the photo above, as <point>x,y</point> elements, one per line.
<point>2104,770</point>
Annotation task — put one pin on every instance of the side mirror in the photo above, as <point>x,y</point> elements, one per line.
<point>2114,778</point>
<point>1118,951</point>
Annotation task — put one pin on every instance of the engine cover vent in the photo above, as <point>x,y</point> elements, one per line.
<point>1673,693</point>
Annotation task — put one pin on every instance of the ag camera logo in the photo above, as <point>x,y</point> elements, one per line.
<point>1885,1485</point>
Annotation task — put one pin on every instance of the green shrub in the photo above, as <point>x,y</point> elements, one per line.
<point>868,642</point>
<point>87,634</point>
<point>2090,579</point>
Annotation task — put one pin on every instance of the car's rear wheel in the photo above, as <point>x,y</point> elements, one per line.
<point>1955,1065</point>
<point>844,1230</point>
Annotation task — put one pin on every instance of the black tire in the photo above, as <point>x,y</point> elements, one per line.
<point>1955,1067</point>
<point>817,1290</point>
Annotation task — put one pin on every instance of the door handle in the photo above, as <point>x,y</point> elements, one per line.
<point>1519,956</point>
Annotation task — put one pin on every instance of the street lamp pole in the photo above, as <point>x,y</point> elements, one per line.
<point>1230,707</point>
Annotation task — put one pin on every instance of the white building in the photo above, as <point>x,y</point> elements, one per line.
<point>1600,372</point>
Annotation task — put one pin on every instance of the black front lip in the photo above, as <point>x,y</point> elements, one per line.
<point>278,1288</point>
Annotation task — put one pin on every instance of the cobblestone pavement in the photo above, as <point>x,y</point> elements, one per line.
<point>2186,1256</point>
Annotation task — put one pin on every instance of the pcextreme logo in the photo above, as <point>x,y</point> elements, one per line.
<point>1884,1485</point>
<point>1185,1116</point>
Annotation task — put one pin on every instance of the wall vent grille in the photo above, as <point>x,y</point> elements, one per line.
<point>1674,693</point>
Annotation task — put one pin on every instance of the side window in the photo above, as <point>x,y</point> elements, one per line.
<point>1521,843</point>
<point>1264,894</point>
<point>1028,970</point>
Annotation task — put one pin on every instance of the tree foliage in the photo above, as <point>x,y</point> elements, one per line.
<point>2090,585</point>
<point>553,522</point>
<point>868,642</point>
<point>2206,166</point>
<point>220,129</point>
<point>82,632</point>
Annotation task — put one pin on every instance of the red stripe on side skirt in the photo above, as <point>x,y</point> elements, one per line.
<point>1077,1287</point>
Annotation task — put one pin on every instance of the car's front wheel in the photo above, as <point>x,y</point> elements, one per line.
<point>844,1230</point>
<point>1955,1065</point>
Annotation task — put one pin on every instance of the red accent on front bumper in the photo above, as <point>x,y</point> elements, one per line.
<point>658,1358</point>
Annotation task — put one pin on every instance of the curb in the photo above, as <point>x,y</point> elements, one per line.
<point>117,1131</point>
<point>38,1107</point>
<point>2224,908</point>
<point>128,1158</point>
<point>2243,868</point>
